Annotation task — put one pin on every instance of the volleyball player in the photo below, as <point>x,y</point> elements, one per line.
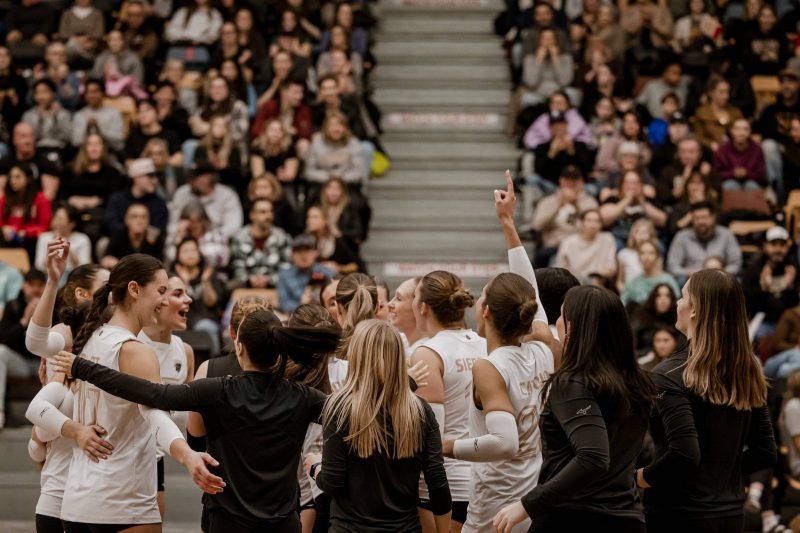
<point>256,421</point>
<point>401,316</point>
<point>120,494</point>
<point>175,357</point>
<point>504,441</point>
<point>440,301</point>
<point>713,426</point>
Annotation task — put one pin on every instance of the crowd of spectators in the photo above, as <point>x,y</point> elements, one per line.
<point>232,139</point>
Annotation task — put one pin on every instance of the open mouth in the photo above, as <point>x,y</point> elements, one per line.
<point>184,313</point>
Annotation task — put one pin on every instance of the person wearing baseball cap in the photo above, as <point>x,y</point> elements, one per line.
<point>144,184</point>
<point>561,150</point>
<point>556,215</point>
<point>298,281</point>
<point>771,282</point>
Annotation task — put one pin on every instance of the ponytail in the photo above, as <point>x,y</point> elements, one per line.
<point>94,318</point>
<point>361,307</point>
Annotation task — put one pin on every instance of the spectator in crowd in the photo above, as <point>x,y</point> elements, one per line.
<point>590,251</point>
<point>561,150</point>
<point>770,281</point>
<point>665,342</point>
<point>44,171</point>
<point>672,181</point>
<point>628,264</point>
<point>195,224</point>
<point>274,152</point>
<point>220,201</point>
<point>142,190</point>
<point>334,253</point>
<point>343,216</point>
<point>138,237</point>
<point>639,288</point>
<point>330,98</point>
<point>711,121</point>
<point>51,123</point>
<point>10,284</point>
<point>539,132</point>
<point>659,125</point>
<point>604,123</point>
<point>57,70</point>
<point>268,186</point>
<point>147,127</point>
<point>607,160</point>
<point>790,149</point>
<point>95,117</point>
<point>548,70</point>
<point>664,154</point>
<point>204,286</point>
<point>120,67</point>
<point>697,190</point>
<point>90,183</point>
<point>297,282</point>
<point>197,23</point>
<point>223,103</point>
<point>672,81</point>
<point>15,359</point>
<point>766,49</point>
<point>692,246</point>
<point>740,161</point>
<point>259,250</point>
<point>775,123</point>
<point>14,90</point>
<point>288,103</point>
<point>219,149</point>
<point>786,341</point>
<point>25,212</point>
<point>335,152</point>
<point>626,204</point>
<point>65,219</point>
<point>658,311</point>
<point>171,113</point>
<point>607,34</point>
<point>82,27</point>
<point>139,30</point>
<point>31,22</point>
<point>556,215</point>
<point>698,28</point>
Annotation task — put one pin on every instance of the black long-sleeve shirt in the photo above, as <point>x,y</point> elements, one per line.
<point>380,493</point>
<point>255,427</point>
<point>589,450</point>
<point>703,450</point>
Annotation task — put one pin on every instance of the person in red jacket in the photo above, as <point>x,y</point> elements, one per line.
<point>289,102</point>
<point>25,211</point>
<point>740,161</point>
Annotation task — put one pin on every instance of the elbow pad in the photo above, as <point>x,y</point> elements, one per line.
<point>162,426</point>
<point>39,340</point>
<point>43,413</point>
<point>502,441</point>
<point>36,451</point>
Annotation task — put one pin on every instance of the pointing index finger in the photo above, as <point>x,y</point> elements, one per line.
<point>509,183</point>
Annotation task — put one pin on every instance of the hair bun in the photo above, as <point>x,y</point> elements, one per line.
<point>461,298</point>
<point>527,310</point>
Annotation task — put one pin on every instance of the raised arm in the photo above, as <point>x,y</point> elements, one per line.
<point>39,337</point>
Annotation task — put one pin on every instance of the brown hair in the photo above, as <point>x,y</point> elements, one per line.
<point>277,188</point>
<point>336,115</point>
<point>246,305</point>
<point>511,300</point>
<point>312,316</point>
<point>445,294</point>
<point>357,298</point>
<point>722,368</point>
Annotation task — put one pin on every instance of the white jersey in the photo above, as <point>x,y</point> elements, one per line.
<point>458,350</point>
<point>337,372</point>
<point>54,473</point>
<point>524,369</point>
<point>174,370</point>
<point>409,348</point>
<point>122,488</point>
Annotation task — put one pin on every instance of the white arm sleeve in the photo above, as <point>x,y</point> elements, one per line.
<point>43,411</point>
<point>162,426</point>
<point>39,340</point>
<point>36,451</point>
<point>519,263</point>
<point>438,412</point>
<point>502,441</point>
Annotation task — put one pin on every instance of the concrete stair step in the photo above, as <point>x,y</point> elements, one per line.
<point>421,23</point>
<point>405,8</point>
<point>443,123</point>
<point>451,151</point>
<point>464,99</point>
<point>447,180</point>
<point>447,49</point>
<point>435,60</point>
<point>417,72</point>
<point>412,33</point>
<point>444,136</point>
<point>441,84</point>
<point>485,164</point>
<point>442,245</point>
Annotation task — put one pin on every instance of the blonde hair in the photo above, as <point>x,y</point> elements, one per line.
<point>336,115</point>
<point>262,141</point>
<point>277,188</point>
<point>635,229</point>
<point>247,305</point>
<point>722,368</point>
<point>375,406</point>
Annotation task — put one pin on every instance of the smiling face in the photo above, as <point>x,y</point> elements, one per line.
<point>149,300</point>
<point>401,312</point>
<point>218,90</point>
<point>188,254</point>
<point>175,313</point>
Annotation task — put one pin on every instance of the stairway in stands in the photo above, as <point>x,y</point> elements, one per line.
<point>443,86</point>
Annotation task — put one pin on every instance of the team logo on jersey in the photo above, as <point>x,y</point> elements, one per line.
<point>178,366</point>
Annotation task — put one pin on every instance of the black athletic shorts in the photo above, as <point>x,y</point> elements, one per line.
<point>459,510</point>
<point>160,474</point>
<point>78,527</point>
<point>48,524</point>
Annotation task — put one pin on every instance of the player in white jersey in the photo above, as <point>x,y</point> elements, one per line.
<point>119,493</point>
<point>401,316</point>
<point>440,301</point>
<point>175,357</point>
<point>504,442</point>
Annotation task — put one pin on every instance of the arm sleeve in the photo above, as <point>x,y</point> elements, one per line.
<point>518,263</point>
<point>332,479</point>
<point>581,419</point>
<point>186,397</point>
<point>43,411</point>
<point>682,458</point>
<point>162,426</point>
<point>36,451</point>
<point>433,467</point>
<point>39,340</point>
<point>502,441</point>
<point>761,451</point>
